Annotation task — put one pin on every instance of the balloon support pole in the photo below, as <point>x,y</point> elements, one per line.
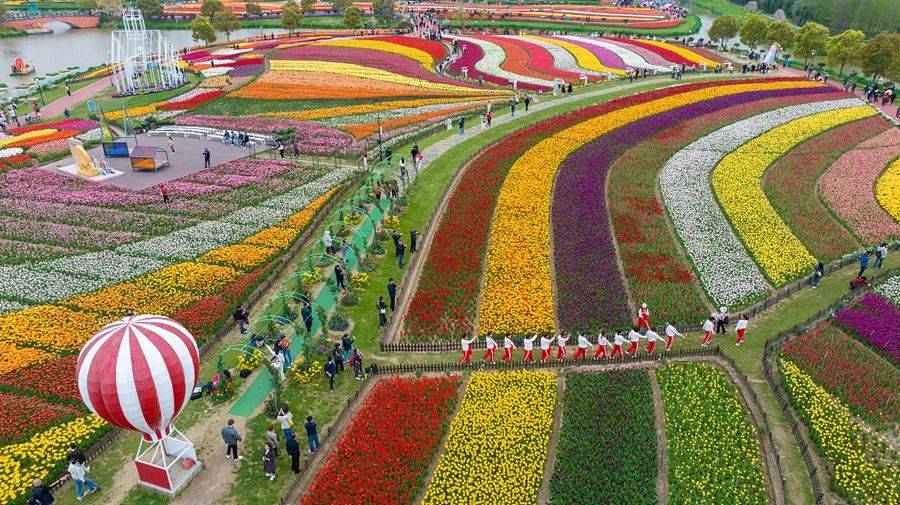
<point>161,465</point>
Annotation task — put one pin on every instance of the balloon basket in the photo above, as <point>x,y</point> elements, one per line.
<point>167,465</point>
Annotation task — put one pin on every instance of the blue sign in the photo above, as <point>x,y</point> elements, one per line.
<point>91,106</point>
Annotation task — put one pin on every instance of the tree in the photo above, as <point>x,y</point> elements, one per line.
<point>111,6</point>
<point>339,6</point>
<point>150,8</point>
<point>781,33</point>
<point>811,39</point>
<point>893,71</point>
<point>307,6</point>
<point>383,8</point>
<point>753,33</point>
<point>879,53</point>
<point>253,9</point>
<point>202,29</point>
<point>352,17</point>
<point>209,8</point>
<point>226,22</point>
<point>844,47</point>
<point>291,16</point>
<point>724,28</point>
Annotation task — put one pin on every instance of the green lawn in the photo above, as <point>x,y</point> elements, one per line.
<point>723,8</point>
<point>689,26</point>
<point>105,99</point>
<point>52,94</point>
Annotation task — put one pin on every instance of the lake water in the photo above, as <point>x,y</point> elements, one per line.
<point>84,48</point>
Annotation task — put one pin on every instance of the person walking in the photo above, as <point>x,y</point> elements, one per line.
<point>465,345</point>
<point>404,174</point>
<point>347,345</point>
<point>392,292</point>
<point>508,346</point>
<point>339,278</point>
<point>312,434</point>
<point>272,438</point>
<point>643,318</point>
<point>14,114</point>
<point>413,239</point>
<point>164,192</point>
<point>528,348</point>
<point>741,328</point>
<point>634,337</point>
<point>722,321</point>
<point>651,337</point>
<point>328,242</point>
<point>708,327</point>
<point>618,341</point>
<point>880,254</point>
<point>40,494</point>
<point>546,341</point>
<point>306,315</point>
<point>401,251</point>
<point>231,438</point>
<point>338,356</point>
<point>207,156</point>
<point>527,102</point>
<point>278,365</point>
<point>78,470</point>
<point>863,262</point>
<point>242,318</point>
<point>68,90</point>
<point>357,360</point>
<point>269,461</point>
<point>491,348</point>
<point>462,125</point>
<point>329,372</point>
<point>561,351</point>
<point>292,448</point>
<point>281,150</point>
<point>583,345</point>
<point>490,117</point>
<point>285,418</point>
<point>602,344</point>
<point>171,143</point>
<point>284,346</point>
<point>382,311</point>
<point>818,273</point>
<point>671,332</point>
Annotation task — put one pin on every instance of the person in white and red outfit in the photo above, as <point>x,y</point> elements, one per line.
<point>671,332</point>
<point>708,326</point>
<point>643,318</point>
<point>741,327</point>
<point>491,345</point>
<point>634,337</point>
<point>602,343</point>
<point>618,342</point>
<point>583,345</point>
<point>466,346</point>
<point>561,351</point>
<point>546,340</point>
<point>508,347</point>
<point>651,337</point>
<point>528,349</point>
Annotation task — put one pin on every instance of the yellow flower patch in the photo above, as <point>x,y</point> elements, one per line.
<point>25,136</point>
<point>140,110</point>
<point>681,51</point>
<point>13,358</point>
<point>887,189</point>
<point>300,220</point>
<point>351,110</point>
<point>379,45</point>
<point>50,326</point>
<point>143,298</point>
<point>497,444</point>
<point>736,182</point>
<point>199,278</point>
<point>518,285</point>
<point>275,236</point>
<point>584,57</point>
<point>239,256</point>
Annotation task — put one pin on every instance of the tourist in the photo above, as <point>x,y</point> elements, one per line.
<point>528,348</point>
<point>338,358</point>
<point>508,346</point>
<point>880,254</point>
<point>512,107</point>
<point>392,292</point>
<point>618,341</point>
<point>206,157</point>
<point>226,137</point>
<point>602,344</point>
<point>401,250</point>
<point>312,434</point>
<point>357,364</point>
<point>67,113</point>
<point>462,125</point>
<point>546,341</point>
<point>272,438</point>
<point>489,116</point>
<point>448,124</point>
<point>818,273</point>
<point>404,175</point>
<point>527,102</point>
<point>231,438</point>
<point>483,121</point>
<point>413,238</point>
<point>583,345</point>
<point>382,311</point>
<point>708,327</point>
<point>241,317</point>
<point>389,155</point>
<point>741,328</point>
<point>328,242</point>
<point>491,346</point>
<point>643,317</point>
<point>465,346</point>
<point>329,372</point>
<point>292,448</point>
<point>78,470</point>
<point>278,365</point>
<point>347,344</point>
<point>671,332</point>
<point>171,143</point>
<point>73,452</point>
<point>561,351</point>
<point>722,321</point>
<point>651,337</point>
<point>14,114</point>
<point>306,315</point>
<point>68,90</point>
<point>164,191</point>
<point>570,88</point>
<point>365,160</point>
<point>40,494</point>
<point>284,345</point>
<point>634,337</point>
<point>269,461</point>
<point>339,278</point>
<point>863,262</point>
<point>395,237</point>
<point>281,150</point>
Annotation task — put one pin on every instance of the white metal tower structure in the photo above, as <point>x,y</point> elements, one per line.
<point>142,60</point>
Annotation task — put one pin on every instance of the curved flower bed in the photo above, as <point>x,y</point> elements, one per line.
<point>586,58</point>
<point>648,55</point>
<point>313,137</point>
<point>790,186</point>
<point>384,454</point>
<point>567,60</point>
<point>736,182</point>
<point>627,57</point>
<point>518,59</point>
<point>722,264</point>
<point>876,321</point>
<point>606,57</point>
<point>714,454</point>
<point>493,57</point>
<point>190,100</point>
<point>887,190</point>
<point>471,55</point>
<point>847,187</point>
<point>388,45</point>
<point>541,60</point>
<point>500,435</point>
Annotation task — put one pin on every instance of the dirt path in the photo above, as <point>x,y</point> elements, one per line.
<point>550,463</point>
<point>662,451</point>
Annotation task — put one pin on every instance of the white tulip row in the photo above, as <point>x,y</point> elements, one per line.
<point>630,58</point>
<point>493,56</point>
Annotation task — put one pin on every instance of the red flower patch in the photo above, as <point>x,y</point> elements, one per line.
<point>22,417</point>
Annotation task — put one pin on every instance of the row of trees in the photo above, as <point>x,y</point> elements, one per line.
<point>880,55</point>
<point>868,16</point>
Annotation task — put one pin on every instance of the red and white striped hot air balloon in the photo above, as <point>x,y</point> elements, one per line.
<point>137,373</point>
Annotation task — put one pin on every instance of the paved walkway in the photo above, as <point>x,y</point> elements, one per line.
<point>889,110</point>
<point>68,102</point>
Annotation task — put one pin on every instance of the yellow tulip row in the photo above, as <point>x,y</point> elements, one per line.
<point>681,51</point>
<point>13,357</point>
<point>497,445</point>
<point>140,110</point>
<point>887,189</point>
<point>518,286</point>
<point>25,136</point>
<point>42,455</point>
<point>380,45</point>
<point>858,473</point>
<point>352,110</point>
<point>736,181</point>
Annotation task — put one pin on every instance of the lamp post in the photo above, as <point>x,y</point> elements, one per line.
<point>40,83</point>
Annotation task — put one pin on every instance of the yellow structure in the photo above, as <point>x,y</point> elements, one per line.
<point>86,167</point>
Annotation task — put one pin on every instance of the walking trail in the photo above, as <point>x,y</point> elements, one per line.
<point>57,107</point>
